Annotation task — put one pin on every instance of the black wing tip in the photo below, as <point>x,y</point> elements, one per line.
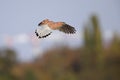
<point>41,36</point>
<point>36,33</point>
<point>45,35</point>
<point>69,29</point>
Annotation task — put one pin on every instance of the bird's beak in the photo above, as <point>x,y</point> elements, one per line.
<point>40,24</point>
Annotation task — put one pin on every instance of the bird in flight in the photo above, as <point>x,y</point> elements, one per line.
<point>46,27</point>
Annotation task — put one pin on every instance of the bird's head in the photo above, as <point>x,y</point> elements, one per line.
<point>43,22</point>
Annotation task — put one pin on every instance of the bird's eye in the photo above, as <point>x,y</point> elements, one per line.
<point>40,23</point>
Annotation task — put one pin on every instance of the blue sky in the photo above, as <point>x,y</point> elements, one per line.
<point>21,17</point>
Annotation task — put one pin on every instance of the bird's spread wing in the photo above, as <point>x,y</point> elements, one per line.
<point>67,29</point>
<point>43,31</point>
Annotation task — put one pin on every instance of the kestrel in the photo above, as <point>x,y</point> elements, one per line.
<point>46,27</point>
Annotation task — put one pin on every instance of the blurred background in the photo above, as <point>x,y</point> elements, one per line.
<point>93,53</point>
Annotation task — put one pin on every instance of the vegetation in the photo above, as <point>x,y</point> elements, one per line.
<point>93,61</point>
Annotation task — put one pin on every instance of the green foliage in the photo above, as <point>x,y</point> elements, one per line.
<point>29,75</point>
<point>7,60</point>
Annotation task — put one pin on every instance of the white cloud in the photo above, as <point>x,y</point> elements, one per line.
<point>21,39</point>
<point>64,37</point>
<point>55,37</point>
<point>107,35</point>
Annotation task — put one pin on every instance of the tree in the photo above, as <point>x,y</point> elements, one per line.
<point>7,61</point>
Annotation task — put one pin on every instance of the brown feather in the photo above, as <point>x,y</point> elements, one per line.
<point>67,29</point>
<point>55,25</point>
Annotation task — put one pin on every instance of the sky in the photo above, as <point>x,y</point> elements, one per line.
<point>19,19</point>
